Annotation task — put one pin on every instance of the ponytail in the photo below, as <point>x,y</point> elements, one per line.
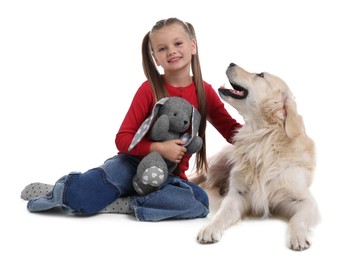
<point>200,159</point>
<point>150,70</point>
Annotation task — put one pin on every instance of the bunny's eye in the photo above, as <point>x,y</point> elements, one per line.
<point>175,114</point>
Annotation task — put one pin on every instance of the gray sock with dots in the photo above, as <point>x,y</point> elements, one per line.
<point>35,190</point>
<point>38,189</point>
<point>120,205</point>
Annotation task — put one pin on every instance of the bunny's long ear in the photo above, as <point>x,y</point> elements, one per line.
<point>146,124</point>
<point>196,117</point>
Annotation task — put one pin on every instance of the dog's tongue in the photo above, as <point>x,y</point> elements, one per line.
<point>236,92</point>
<point>233,91</point>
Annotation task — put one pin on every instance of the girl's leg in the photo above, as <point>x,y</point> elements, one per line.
<point>177,199</point>
<point>39,189</point>
<point>92,191</point>
<point>78,193</point>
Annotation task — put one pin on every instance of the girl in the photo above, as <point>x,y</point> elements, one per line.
<point>172,45</point>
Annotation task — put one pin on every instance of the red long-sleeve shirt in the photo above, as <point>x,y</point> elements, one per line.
<point>141,108</point>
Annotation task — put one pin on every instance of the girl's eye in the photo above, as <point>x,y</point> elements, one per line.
<point>161,49</point>
<point>261,75</point>
<point>178,43</point>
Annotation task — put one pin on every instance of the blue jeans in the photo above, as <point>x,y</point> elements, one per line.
<point>92,191</point>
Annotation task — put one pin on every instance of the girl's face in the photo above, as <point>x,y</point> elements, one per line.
<point>172,47</point>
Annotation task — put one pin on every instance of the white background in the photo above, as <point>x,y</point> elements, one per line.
<point>68,72</point>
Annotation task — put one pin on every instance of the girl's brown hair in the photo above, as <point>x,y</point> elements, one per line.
<point>158,87</point>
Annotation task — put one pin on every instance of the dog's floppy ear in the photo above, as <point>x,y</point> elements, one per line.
<point>293,122</point>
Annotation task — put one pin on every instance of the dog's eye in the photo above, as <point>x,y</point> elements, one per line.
<point>261,75</point>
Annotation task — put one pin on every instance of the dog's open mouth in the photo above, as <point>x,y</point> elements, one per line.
<point>236,92</point>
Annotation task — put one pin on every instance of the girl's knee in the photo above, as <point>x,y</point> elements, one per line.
<point>90,192</point>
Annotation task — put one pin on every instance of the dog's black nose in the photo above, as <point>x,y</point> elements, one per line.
<point>232,64</point>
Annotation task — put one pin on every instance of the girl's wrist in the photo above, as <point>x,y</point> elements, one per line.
<point>155,146</point>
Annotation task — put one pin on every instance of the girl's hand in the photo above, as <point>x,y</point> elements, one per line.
<point>171,150</point>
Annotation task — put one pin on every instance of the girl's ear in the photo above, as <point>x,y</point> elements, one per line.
<point>194,47</point>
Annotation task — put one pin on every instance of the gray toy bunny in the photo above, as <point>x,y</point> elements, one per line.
<point>173,117</point>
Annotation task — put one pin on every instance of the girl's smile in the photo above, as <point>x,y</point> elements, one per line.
<point>175,59</point>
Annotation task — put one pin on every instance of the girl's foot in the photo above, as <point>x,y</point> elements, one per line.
<point>35,190</point>
<point>120,205</point>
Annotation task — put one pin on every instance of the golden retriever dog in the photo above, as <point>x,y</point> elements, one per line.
<point>270,167</point>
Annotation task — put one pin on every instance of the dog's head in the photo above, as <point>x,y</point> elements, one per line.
<point>262,98</point>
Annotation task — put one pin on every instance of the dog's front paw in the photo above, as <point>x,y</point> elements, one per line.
<point>299,241</point>
<point>209,234</point>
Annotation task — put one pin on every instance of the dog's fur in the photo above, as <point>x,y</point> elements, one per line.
<point>271,165</point>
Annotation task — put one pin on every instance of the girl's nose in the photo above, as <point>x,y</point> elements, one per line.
<point>171,51</point>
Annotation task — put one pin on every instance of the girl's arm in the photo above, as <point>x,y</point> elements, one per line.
<point>140,108</point>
